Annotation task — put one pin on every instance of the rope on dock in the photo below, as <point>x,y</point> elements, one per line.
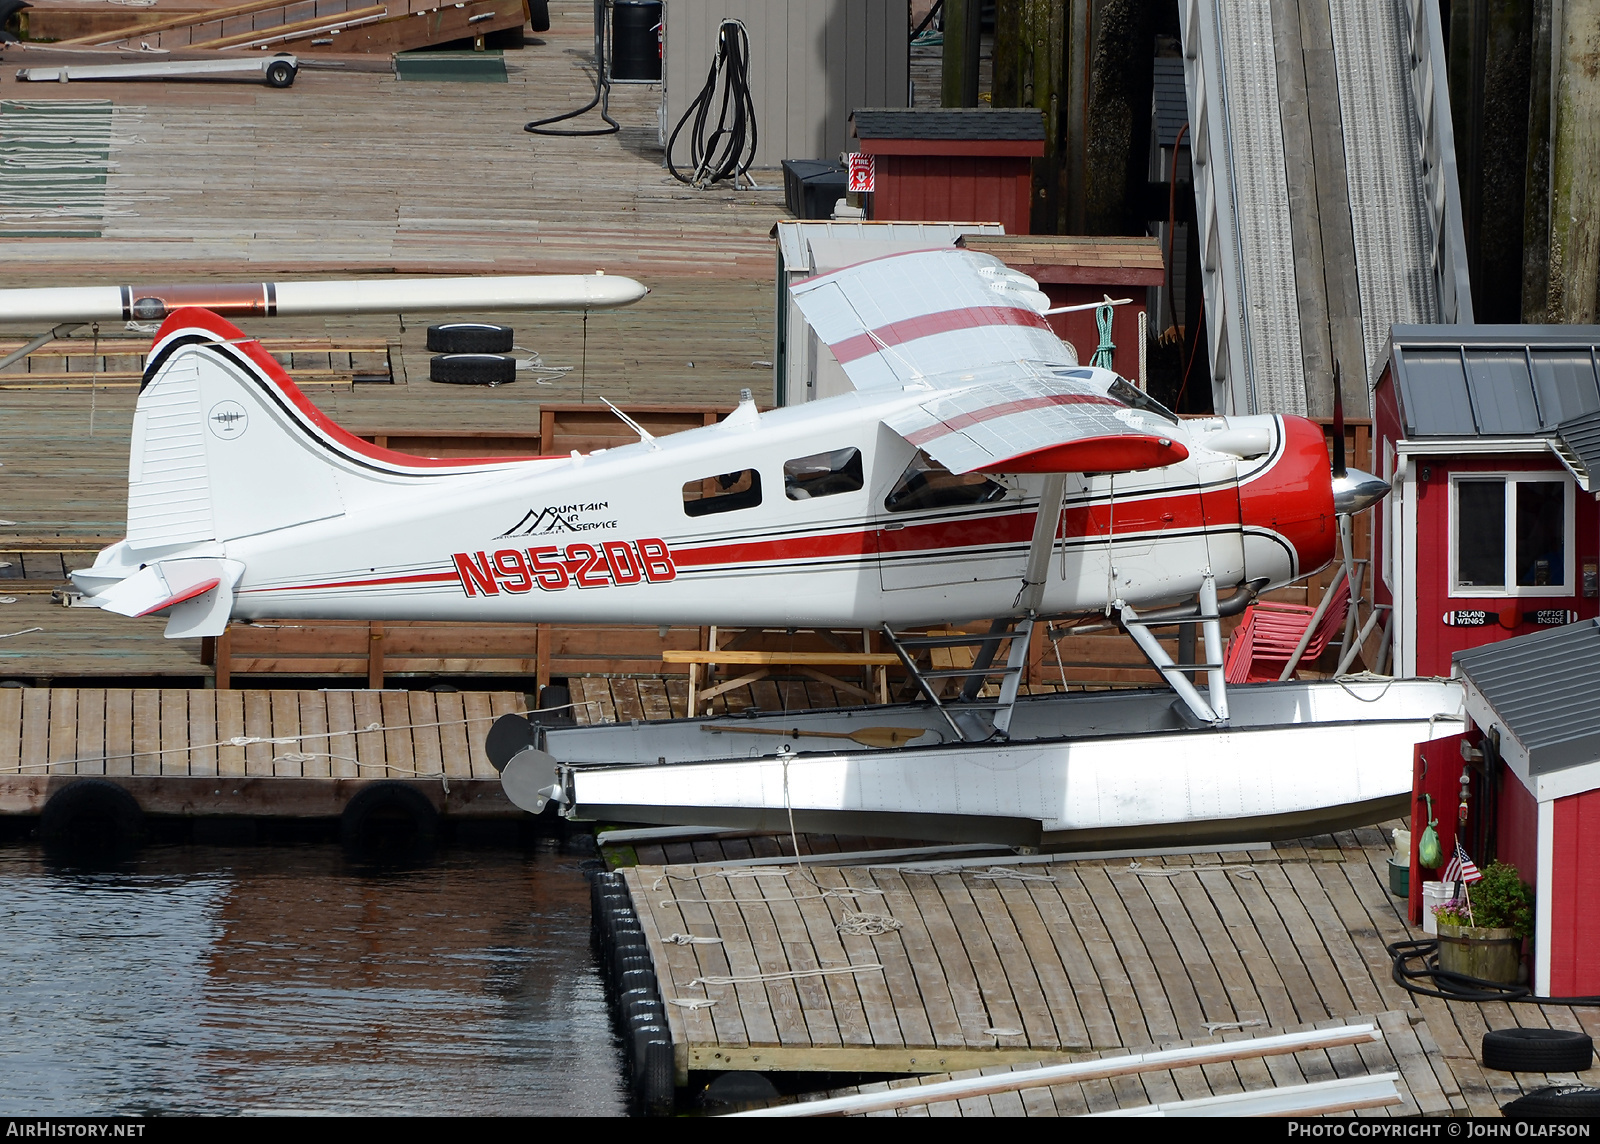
<point>1246,870</point>
<point>787,975</point>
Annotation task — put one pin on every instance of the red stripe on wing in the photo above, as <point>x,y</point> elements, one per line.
<point>960,421</point>
<point>926,325</point>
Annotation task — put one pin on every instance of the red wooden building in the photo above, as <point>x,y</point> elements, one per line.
<point>1492,529</point>
<point>1074,270</point>
<point>1534,788</point>
<point>939,163</point>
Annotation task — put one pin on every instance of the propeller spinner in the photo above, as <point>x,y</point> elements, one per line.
<point>1353,490</point>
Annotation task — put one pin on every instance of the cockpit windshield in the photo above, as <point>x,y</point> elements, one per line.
<point>1136,398</point>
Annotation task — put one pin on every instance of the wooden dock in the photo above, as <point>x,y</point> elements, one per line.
<point>277,753</point>
<point>980,966</point>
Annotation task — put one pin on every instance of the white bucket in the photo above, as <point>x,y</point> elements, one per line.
<point>1434,894</point>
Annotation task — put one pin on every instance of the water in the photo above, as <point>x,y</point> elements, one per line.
<point>273,980</point>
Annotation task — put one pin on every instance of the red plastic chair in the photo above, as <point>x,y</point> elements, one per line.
<point>1263,643</point>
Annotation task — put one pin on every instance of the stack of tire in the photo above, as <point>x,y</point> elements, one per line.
<point>471,353</point>
<point>1544,1051</point>
<point>632,988</point>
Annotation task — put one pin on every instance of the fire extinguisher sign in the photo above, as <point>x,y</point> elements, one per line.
<point>862,173</point>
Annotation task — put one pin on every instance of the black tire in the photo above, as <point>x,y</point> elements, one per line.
<point>1558,1102</point>
<point>389,820</point>
<point>470,338</point>
<point>473,369</point>
<point>654,1076</point>
<point>539,15</point>
<point>733,1090</point>
<point>1537,1050</point>
<point>91,815</point>
<point>280,73</point>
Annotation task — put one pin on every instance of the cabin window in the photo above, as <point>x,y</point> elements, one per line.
<point>1511,534</point>
<point>822,474</point>
<point>928,484</point>
<point>726,492</point>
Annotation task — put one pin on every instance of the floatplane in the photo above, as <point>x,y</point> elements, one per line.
<point>976,470</point>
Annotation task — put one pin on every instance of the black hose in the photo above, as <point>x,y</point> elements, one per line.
<point>1458,986</point>
<point>729,150</point>
<point>602,92</point>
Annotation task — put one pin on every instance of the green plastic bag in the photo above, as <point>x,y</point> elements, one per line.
<point>1429,852</point>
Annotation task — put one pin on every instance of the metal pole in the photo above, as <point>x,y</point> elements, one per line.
<point>1163,663</point>
<point>1211,624</point>
<point>1349,655</point>
<point>60,331</point>
<point>1316,618</point>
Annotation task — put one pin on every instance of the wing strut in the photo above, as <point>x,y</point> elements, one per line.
<point>1214,713</point>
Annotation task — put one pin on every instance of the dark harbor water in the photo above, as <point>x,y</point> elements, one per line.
<point>268,980</point>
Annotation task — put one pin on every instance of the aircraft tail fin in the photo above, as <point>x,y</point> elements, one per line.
<point>226,446</point>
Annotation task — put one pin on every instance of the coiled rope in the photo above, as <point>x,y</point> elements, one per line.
<point>1102,353</point>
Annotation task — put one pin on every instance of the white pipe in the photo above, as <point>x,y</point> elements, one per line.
<point>1319,1098</point>
<point>297,299</point>
<point>1159,1061</point>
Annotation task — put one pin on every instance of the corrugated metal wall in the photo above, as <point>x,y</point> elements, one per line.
<point>812,62</point>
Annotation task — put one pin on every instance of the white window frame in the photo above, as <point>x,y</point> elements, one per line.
<point>1511,590</point>
<point>1387,514</point>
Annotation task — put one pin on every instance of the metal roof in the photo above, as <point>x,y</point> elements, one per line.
<point>1493,381</point>
<point>1171,100</point>
<point>799,239</point>
<point>1580,439</point>
<point>985,123</point>
<point>1543,688</point>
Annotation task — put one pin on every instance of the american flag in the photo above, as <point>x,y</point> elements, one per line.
<point>1461,868</point>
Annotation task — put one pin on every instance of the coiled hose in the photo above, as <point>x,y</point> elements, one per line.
<point>602,92</point>
<point>728,151</point>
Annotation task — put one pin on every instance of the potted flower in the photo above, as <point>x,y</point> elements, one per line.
<point>1481,936</point>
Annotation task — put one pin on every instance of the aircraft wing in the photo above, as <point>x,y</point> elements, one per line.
<point>1021,419</point>
<point>899,319</point>
<point>1004,394</point>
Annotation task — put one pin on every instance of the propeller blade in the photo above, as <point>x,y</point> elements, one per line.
<point>1338,424</point>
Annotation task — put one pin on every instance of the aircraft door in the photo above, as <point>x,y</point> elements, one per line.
<point>935,528</point>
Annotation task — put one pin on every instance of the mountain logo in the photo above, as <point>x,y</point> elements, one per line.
<point>552,519</point>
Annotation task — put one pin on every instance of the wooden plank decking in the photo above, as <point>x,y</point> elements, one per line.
<point>1042,961</point>
<point>291,753</point>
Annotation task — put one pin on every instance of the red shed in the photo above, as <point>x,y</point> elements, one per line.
<point>1074,270</point>
<point>1531,704</point>
<point>1492,529</point>
<point>936,163</point>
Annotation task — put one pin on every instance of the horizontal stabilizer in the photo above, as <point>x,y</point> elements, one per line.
<point>198,591</point>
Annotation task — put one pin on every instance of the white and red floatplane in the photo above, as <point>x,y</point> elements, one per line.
<point>977,470</point>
